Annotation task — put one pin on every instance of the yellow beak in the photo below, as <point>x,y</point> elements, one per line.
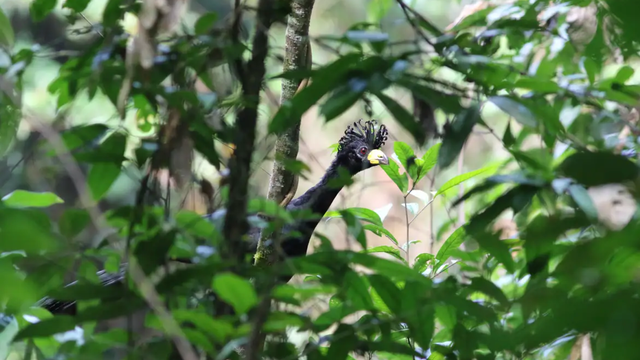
<point>377,157</point>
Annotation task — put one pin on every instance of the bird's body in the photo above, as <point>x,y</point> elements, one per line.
<point>358,150</point>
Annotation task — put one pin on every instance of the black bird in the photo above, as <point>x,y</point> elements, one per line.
<point>358,149</point>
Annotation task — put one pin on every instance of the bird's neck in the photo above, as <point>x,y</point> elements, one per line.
<point>320,197</point>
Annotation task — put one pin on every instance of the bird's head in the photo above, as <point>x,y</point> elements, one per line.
<point>359,148</point>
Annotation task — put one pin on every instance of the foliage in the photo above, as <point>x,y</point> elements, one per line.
<point>567,274</point>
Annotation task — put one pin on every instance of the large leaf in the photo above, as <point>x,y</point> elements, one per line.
<point>388,292</point>
<point>39,9</point>
<point>23,199</point>
<point>236,291</point>
<point>386,249</point>
<point>599,168</point>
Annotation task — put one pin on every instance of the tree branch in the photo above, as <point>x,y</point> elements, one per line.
<point>283,183</point>
<point>235,224</point>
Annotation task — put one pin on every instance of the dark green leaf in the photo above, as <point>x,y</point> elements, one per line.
<point>344,340</point>
<point>598,168</point>
<point>236,291</point>
<point>25,229</point>
<point>47,327</point>
<point>323,81</point>
<point>404,152</point>
<point>340,101</point>
<point>76,5</point>
<point>24,199</point>
<point>205,23</point>
<point>101,177</point>
<point>403,117</point>
<point>489,288</point>
<point>388,291</point>
<point>73,221</point>
<point>82,135</point>
<point>508,138</point>
<point>39,9</point>
<point>456,135</point>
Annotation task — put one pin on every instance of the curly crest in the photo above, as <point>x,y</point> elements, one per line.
<point>367,133</point>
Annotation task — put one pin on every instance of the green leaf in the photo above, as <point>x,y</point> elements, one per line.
<point>10,116</point>
<point>101,177</point>
<point>429,160</point>
<point>388,292</point>
<point>205,23</point>
<point>487,287</point>
<point>393,171</point>
<point>508,138</point>
<point>379,230</point>
<point>340,101</point>
<point>539,85</point>
<point>453,242</point>
<point>422,261</point>
<point>404,152</point>
<point>461,178</point>
<point>591,68</point>
<point>8,329</point>
<point>386,249</point>
<point>323,81</point>
<point>516,109</point>
<point>360,213</point>
<point>47,327</point>
<point>81,135</point>
<point>582,198</point>
<point>378,9</point>
<point>498,249</point>
<point>76,5</point>
<point>39,9</point>
<point>236,291</point>
<point>456,135</point>
<point>598,168</point>
<point>23,199</point>
<point>624,74</point>
<point>7,36</point>
<point>403,117</point>
<point>344,341</point>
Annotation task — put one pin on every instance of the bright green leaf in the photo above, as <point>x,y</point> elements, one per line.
<point>461,178</point>
<point>386,249</point>
<point>23,199</point>
<point>236,291</point>
<point>39,9</point>
<point>453,242</point>
<point>76,5</point>
<point>10,122</point>
<point>393,171</point>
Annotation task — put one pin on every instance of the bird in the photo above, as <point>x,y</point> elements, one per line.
<point>358,149</point>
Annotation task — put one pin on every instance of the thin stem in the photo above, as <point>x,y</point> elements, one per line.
<point>406,216</point>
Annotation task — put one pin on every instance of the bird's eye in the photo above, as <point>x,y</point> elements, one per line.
<point>363,150</point>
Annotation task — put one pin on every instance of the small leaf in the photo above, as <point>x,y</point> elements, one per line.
<point>205,23</point>
<point>453,242</point>
<point>379,230</point>
<point>421,262</point>
<point>383,211</point>
<point>461,178</point>
<point>73,221</point>
<point>386,249</point>
<point>101,177</point>
<point>7,36</point>
<point>236,291</point>
<point>423,196</point>
<point>412,207</point>
<point>393,171</point>
<point>23,199</point>
<point>360,213</point>
<point>514,108</point>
